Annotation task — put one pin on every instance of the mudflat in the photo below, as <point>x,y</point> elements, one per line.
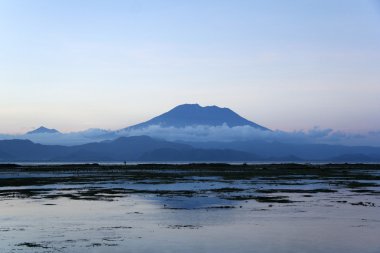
<point>190,208</point>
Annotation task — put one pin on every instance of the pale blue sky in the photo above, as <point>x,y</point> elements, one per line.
<point>287,65</point>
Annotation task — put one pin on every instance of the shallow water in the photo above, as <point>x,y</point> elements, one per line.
<point>188,212</point>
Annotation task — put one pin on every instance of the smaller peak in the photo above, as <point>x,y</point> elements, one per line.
<point>43,130</point>
<point>215,107</point>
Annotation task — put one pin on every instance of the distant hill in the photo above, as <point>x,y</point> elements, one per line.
<point>147,149</point>
<point>122,149</point>
<point>199,155</point>
<point>4,156</point>
<point>137,148</point>
<point>194,114</point>
<point>43,130</point>
<point>356,158</point>
<point>25,150</point>
<point>279,151</point>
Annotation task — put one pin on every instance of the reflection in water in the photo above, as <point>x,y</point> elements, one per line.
<point>121,212</point>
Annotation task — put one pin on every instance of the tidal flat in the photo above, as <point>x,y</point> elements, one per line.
<point>190,208</point>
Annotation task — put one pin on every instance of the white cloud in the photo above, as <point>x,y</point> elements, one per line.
<point>242,133</point>
<point>203,133</point>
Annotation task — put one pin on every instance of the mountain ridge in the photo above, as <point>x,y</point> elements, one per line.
<point>193,114</point>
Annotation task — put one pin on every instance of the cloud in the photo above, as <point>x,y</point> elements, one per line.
<point>67,139</point>
<point>244,133</point>
<point>203,133</point>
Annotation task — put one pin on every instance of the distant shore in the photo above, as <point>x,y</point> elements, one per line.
<point>186,166</point>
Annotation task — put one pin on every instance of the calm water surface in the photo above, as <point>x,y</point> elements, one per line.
<point>123,212</point>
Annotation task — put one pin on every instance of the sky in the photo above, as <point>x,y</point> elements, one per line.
<point>288,65</point>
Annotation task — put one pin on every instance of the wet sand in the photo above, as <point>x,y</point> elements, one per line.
<point>190,208</point>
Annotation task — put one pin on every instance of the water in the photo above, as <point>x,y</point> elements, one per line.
<point>162,211</point>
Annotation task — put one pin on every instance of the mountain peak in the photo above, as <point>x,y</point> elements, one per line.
<point>197,107</point>
<point>43,130</point>
<point>193,114</point>
<point>188,106</point>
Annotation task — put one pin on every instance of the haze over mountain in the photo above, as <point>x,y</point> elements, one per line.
<point>188,132</point>
<point>180,123</point>
<point>137,148</point>
<point>147,149</point>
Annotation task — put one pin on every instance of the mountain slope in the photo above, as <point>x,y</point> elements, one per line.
<point>194,114</point>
